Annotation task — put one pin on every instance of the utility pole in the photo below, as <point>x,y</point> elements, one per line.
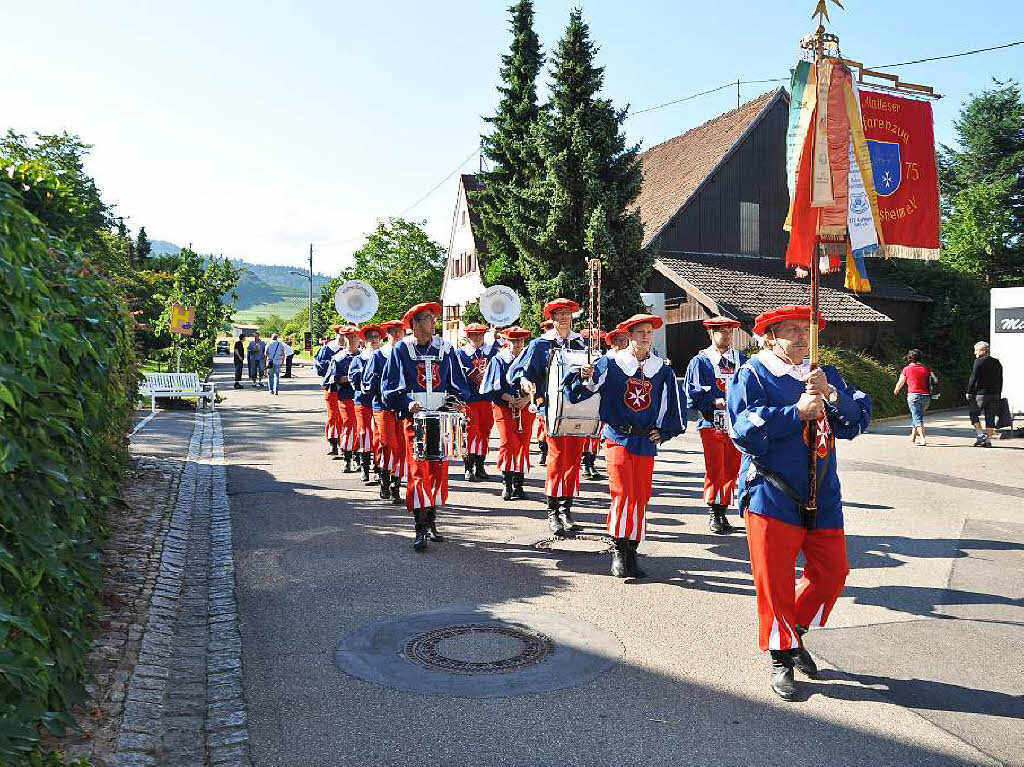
<point>737,92</point>
<point>310,298</point>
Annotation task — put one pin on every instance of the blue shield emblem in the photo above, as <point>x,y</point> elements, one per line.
<point>886,166</point>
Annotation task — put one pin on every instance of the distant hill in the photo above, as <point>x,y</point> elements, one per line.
<point>275,288</point>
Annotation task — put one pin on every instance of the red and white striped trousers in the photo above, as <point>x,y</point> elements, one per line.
<point>392,441</point>
<point>721,467</point>
<point>333,428</point>
<point>348,423</point>
<point>783,604</point>
<point>629,482</point>
<point>563,466</point>
<point>479,423</point>
<point>426,482</point>
<point>365,439</point>
<point>514,447</point>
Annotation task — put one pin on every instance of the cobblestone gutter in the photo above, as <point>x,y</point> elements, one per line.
<point>184,702</point>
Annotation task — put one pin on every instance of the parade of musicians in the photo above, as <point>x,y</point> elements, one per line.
<point>698,443</point>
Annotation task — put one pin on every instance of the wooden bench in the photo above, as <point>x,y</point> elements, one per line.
<point>177,385</point>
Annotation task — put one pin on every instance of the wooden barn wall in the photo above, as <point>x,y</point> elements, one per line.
<point>756,172</point>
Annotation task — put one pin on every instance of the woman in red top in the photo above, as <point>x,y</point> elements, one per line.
<point>918,379</point>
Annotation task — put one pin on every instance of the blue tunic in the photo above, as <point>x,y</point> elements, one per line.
<point>533,362</point>
<point>496,380</point>
<point>372,376</point>
<point>336,370</point>
<point>323,357</point>
<point>767,428</point>
<point>405,375</point>
<point>640,396</point>
<point>355,377</point>
<point>474,365</point>
<point>707,378</point>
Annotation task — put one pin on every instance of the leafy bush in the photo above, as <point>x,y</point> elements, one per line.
<point>67,393</point>
<point>875,378</point>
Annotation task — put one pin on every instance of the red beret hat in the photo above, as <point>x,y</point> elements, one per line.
<point>337,328</point>
<point>616,331</point>
<point>640,319</point>
<point>560,303</point>
<point>514,332</point>
<point>476,327</point>
<point>721,322</point>
<point>429,306</point>
<point>783,313</point>
<point>389,325</point>
<point>547,324</point>
<point>350,330</point>
<point>365,329</point>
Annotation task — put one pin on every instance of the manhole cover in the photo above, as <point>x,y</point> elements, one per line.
<point>478,649</point>
<point>578,544</point>
<point>477,652</point>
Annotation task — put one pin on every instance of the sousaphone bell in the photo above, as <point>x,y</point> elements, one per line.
<point>356,301</point>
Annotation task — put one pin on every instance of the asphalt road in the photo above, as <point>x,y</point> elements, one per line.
<point>922,653</point>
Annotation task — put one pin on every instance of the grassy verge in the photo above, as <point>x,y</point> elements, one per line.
<point>869,375</point>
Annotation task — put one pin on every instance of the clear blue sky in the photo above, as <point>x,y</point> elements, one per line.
<point>252,129</point>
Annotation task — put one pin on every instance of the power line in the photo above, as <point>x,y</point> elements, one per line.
<point>684,98</point>
<point>439,183</point>
<point>950,56</point>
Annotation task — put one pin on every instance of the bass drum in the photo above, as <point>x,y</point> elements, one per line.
<point>564,418</point>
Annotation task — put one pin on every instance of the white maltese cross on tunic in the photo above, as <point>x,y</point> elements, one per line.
<point>638,394</point>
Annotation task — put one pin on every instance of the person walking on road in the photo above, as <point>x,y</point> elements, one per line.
<point>256,356</point>
<point>984,391</point>
<point>918,379</point>
<point>771,400</point>
<point>239,358</point>
<point>289,357</point>
<point>276,351</point>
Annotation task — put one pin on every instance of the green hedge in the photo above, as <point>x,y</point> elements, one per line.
<point>67,392</point>
<point>869,375</point>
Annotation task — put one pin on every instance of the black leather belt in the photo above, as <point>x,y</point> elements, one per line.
<point>633,431</point>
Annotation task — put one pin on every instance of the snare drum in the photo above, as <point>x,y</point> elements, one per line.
<point>438,435</point>
<point>582,419</point>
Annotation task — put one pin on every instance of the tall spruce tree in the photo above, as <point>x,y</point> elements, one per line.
<point>581,205</point>
<point>143,248</point>
<point>511,151</point>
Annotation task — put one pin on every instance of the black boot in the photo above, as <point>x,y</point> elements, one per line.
<point>783,683</point>
<point>715,521</point>
<point>631,566</point>
<point>802,660</point>
<point>364,464</point>
<point>432,534</point>
<point>724,519</point>
<point>518,493</point>
<point>470,473</point>
<point>543,447</point>
<point>332,450</point>
<point>385,484</point>
<point>509,494</point>
<point>396,497</point>
<point>479,466</point>
<point>420,542</point>
<point>565,515</point>
<point>554,523</point>
<point>589,471</point>
<point>348,462</point>
<point>619,558</point>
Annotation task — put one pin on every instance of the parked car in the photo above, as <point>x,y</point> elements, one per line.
<point>223,346</point>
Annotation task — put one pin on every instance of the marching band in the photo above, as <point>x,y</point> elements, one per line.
<point>405,407</point>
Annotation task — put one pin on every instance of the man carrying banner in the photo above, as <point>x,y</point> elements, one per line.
<point>511,414</point>
<point>640,410</point>
<point>771,399</point>
<point>389,428</point>
<point>332,429</point>
<point>365,441</point>
<point>406,390</point>
<point>564,452</point>
<point>474,357</point>
<point>542,434</point>
<point>706,383</point>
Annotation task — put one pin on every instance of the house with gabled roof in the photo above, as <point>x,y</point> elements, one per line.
<point>463,283</point>
<point>713,203</point>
